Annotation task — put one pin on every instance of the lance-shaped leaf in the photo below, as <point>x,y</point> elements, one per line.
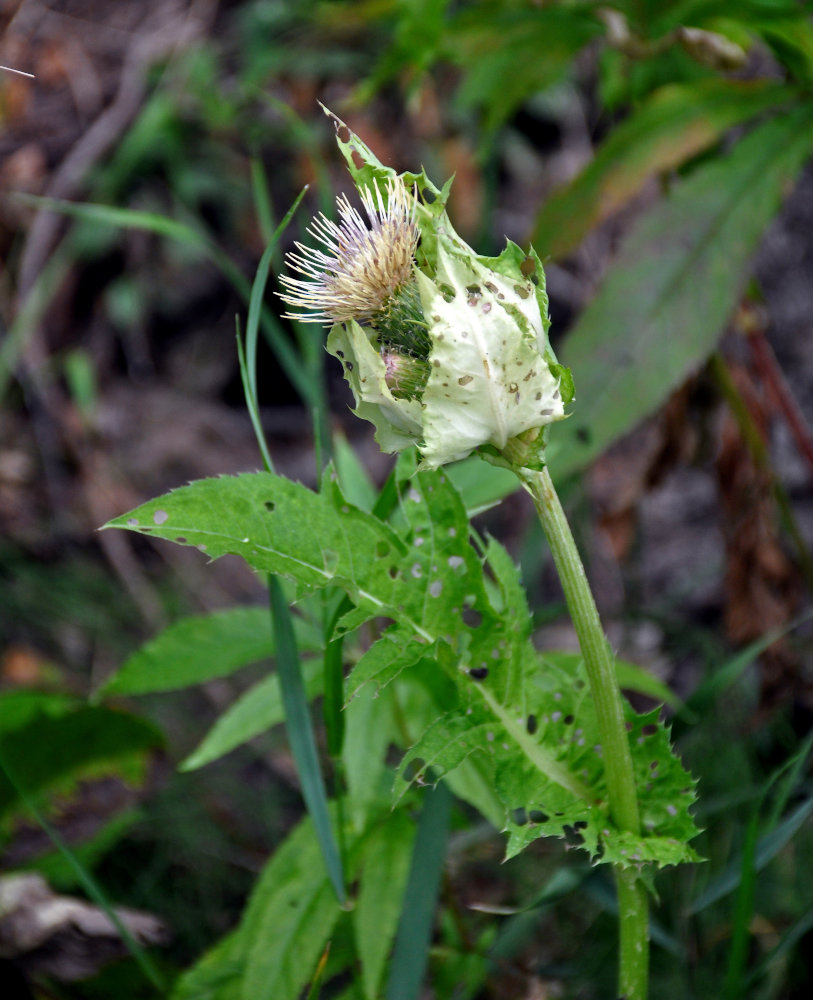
<point>671,289</point>
<point>676,123</point>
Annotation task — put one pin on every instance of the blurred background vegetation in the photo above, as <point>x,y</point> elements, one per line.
<point>657,155</point>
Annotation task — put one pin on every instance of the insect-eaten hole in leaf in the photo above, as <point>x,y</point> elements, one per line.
<point>478,673</point>
<point>181,540</point>
<point>269,505</point>
<point>572,836</point>
<point>649,729</point>
<point>537,816</point>
<point>394,572</point>
<point>471,617</point>
<point>519,816</point>
<point>414,769</point>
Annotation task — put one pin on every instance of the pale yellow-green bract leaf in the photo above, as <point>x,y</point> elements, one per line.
<point>397,421</point>
<point>489,380</point>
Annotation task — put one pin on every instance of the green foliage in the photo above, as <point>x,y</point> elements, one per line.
<point>676,123</point>
<point>57,749</point>
<point>292,913</point>
<point>438,628</point>
<point>198,649</point>
<point>672,287</point>
<point>252,714</point>
<point>386,864</point>
<point>429,579</point>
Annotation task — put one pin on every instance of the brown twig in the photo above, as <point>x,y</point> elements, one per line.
<point>780,392</point>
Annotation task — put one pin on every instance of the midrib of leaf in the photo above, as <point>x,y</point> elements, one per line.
<point>535,753</point>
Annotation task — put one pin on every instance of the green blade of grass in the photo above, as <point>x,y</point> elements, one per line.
<point>300,735</point>
<point>255,303</point>
<point>294,697</point>
<point>251,403</point>
<point>721,679</point>
<point>182,232</point>
<point>768,846</point>
<point>411,953</point>
<point>89,884</point>
<point>262,200</point>
<point>743,912</point>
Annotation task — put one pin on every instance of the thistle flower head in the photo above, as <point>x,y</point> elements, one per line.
<point>448,352</point>
<point>365,266</point>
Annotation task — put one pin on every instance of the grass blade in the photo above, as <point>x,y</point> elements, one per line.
<point>768,846</point>
<point>300,734</point>
<point>255,304</point>
<point>173,229</point>
<point>412,941</point>
<point>743,911</point>
<point>262,200</point>
<point>721,679</point>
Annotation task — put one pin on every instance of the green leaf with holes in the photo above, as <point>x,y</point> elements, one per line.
<point>547,767</point>
<point>425,580</point>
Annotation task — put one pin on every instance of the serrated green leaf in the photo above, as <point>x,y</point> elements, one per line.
<point>442,747</point>
<point>547,768</point>
<point>396,650</point>
<point>673,285</point>
<point>318,539</point>
<point>277,526</point>
<point>255,712</point>
<point>514,611</point>
<point>630,677</point>
<point>380,897</point>
<point>198,649</point>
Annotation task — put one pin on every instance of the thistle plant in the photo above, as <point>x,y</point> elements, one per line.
<point>442,349</point>
<point>447,353</point>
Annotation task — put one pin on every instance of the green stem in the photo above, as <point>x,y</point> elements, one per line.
<point>600,664</point>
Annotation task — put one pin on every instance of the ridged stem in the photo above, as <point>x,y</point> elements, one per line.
<point>600,665</point>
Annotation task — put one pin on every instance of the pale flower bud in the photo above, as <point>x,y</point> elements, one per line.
<point>442,349</point>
